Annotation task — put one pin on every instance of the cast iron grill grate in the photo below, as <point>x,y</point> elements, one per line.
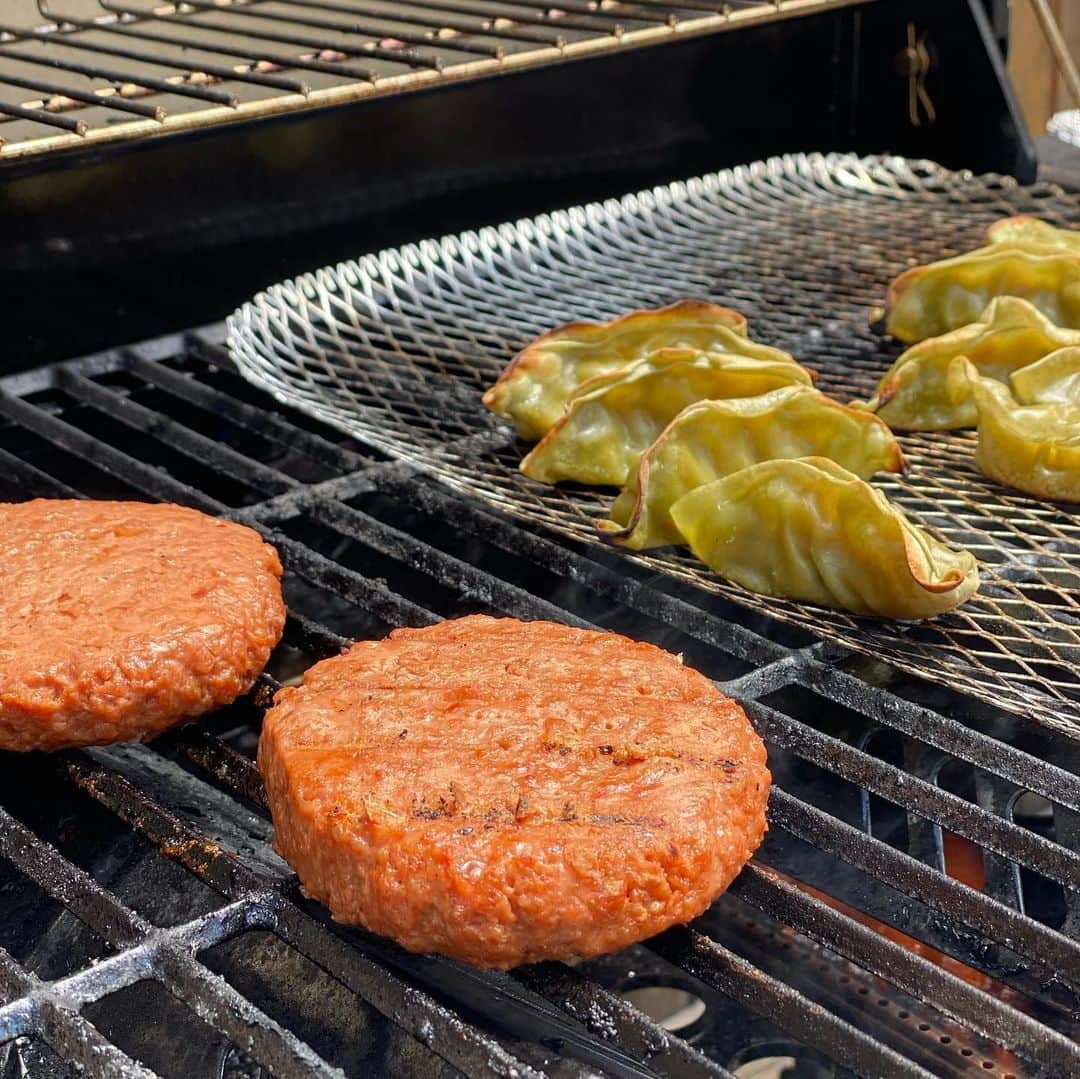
<point>95,72</point>
<point>139,881</point>
<point>398,346</point>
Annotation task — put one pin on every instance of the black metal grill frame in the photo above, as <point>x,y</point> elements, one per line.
<point>478,1022</point>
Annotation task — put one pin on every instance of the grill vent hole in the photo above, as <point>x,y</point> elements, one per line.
<point>674,1009</point>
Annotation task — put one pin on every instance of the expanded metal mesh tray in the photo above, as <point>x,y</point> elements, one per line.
<point>396,348</point>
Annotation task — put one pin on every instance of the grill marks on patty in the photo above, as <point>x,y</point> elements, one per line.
<point>416,781</point>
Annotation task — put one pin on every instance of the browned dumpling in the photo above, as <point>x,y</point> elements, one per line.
<point>1010,334</point>
<point>1035,448</point>
<point>535,389</point>
<point>612,419</point>
<point>715,438</point>
<point>1024,257</point>
<point>809,530</point>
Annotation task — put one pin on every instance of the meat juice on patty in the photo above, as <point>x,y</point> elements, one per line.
<point>121,619</point>
<point>505,792</point>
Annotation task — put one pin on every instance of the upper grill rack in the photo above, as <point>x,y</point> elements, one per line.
<point>398,347</point>
<point>874,772</point>
<point>104,70</point>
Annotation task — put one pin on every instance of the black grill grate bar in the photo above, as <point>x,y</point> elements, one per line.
<point>76,1040</point>
<point>515,12</point>
<point>151,481</point>
<point>68,884</point>
<point>311,636</point>
<point>370,595</point>
<point>167,955</point>
<point>410,57</point>
<point>258,421</point>
<point>367,30</point>
<point>140,962</point>
<point>224,1008</point>
<point>438,501</point>
<point>223,45</point>
<point>69,1035</point>
<point>975,1009</point>
<point>86,97</point>
<point>223,762</point>
<point>377,11</point>
<point>43,116</point>
<point>460,1043</point>
<point>163,828</point>
<point>191,444</point>
<point>14,981</point>
<point>31,478</point>
<point>796,1013</point>
<point>952,737</point>
<point>917,795</point>
<point>587,19</point>
<point>946,993</point>
<point>1054,953</point>
<point>611,1017</point>
<point>763,680</point>
<point>279,82</point>
<point>469,582</point>
<point>202,93</point>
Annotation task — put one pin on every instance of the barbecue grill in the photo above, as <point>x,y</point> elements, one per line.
<point>915,909</point>
<point>148,926</point>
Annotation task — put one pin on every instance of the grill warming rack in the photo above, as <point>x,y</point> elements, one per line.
<point>99,71</point>
<point>877,774</point>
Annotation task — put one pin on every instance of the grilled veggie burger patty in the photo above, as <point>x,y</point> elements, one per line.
<point>120,619</point>
<point>506,792</point>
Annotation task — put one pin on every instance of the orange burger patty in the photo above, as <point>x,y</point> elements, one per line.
<point>119,619</point>
<point>506,792</point>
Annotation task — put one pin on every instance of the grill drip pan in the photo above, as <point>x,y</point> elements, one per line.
<point>396,348</point>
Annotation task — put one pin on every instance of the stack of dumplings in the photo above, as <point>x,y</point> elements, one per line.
<point>1022,257</point>
<point>724,445</point>
<point>1010,369</point>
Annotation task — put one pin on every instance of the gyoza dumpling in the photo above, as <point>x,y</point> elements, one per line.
<point>613,419</point>
<point>534,389</point>
<point>714,438</point>
<point>927,301</point>
<point>1009,334</point>
<point>1035,448</point>
<point>1024,231</point>
<point>1055,379</point>
<point>809,530</point>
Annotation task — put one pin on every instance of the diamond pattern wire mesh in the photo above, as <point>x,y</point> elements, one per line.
<point>397,347</point>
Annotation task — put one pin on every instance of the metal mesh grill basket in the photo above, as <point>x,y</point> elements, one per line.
<point>397,347</point>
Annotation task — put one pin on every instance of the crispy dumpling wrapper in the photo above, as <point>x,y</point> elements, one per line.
<point>928,301</point>
<point>535,388</point>
<point>1034,448</point>
<point>1055,379</point>
<point>712,439</point>
<point>612,419</point>
<point>811,531</point>
<point>1031,232</point>
<point>914,394</point>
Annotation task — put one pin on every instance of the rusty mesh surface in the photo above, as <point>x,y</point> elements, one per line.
<point>396,348</point>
